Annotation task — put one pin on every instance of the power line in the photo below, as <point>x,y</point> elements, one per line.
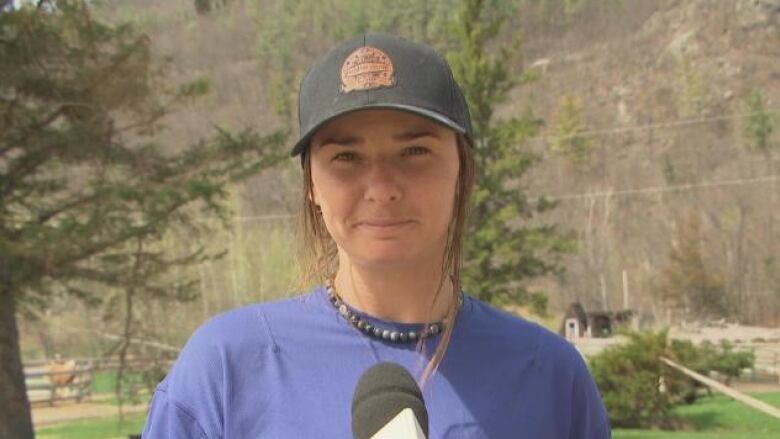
<point>660,125</point>
<point>589,133</point>
<point>253,218</point>
<point>661,189</point>
<point>624,192</point>
<point>272,217</point>
<point>613,130</point>
<point>154,344</point>
<point>669,124</point>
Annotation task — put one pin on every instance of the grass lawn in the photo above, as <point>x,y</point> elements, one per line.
<point>105,381</point>
<point>106,428</point>
<point>643,434</point>
<point>718,417</point>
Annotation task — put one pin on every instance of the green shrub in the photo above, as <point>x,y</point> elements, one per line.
<point>640,391</point>
<point>729,362</point>
<point>628,377</point>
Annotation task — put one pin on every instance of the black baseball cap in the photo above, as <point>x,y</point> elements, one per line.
<point>378,71</point>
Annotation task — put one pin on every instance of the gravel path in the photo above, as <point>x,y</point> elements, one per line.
<point>70,411</point>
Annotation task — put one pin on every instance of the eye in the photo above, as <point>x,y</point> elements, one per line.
<point>416,150</point>
<point>345,156</point>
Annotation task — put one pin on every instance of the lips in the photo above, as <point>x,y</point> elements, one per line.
<point>379,223</point>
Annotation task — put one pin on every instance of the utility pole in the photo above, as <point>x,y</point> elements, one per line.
<point>625,289</point>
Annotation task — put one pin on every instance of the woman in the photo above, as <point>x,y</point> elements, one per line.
<point>388,169</point>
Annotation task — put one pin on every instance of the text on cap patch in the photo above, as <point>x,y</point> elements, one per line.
<point>367,68</point>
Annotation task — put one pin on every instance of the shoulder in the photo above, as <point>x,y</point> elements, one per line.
<point>216,359</point>
<point>544,356</point>
<point>249,324</point>
<point>548,348</point>
<point>234,338</point>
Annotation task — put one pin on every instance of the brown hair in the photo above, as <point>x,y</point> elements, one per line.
<point>318,255</point>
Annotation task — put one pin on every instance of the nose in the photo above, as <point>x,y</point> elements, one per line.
<point>382,184</point>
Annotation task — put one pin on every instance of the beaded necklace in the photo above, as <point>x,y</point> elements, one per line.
<point>351,316</point>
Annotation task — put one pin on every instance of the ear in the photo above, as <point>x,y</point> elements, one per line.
<point>312,196</point>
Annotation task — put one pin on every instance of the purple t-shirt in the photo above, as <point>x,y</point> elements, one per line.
<point>288,369</point>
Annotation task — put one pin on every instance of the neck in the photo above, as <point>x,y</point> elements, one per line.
<point>401,294</point>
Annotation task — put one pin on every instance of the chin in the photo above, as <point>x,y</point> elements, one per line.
<point>392,254</point>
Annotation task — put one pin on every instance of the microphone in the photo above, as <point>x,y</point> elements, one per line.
<point>388,404</point>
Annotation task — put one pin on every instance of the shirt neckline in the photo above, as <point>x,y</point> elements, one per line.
<point>322,294</point>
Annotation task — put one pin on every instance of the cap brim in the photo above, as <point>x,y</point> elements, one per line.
<point>303,142</point>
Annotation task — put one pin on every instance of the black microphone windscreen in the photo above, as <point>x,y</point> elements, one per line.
<point>383,391</point>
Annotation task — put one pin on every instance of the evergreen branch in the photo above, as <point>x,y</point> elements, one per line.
<point>10,105</point>
<point>13,178</point>
<point>45,216</point>
<point>135,232</point>
<point>140,43</point>
<point>128,321</point>
<point>35,129</point>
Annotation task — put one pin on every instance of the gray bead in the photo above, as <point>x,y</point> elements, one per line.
<point>384,334</point>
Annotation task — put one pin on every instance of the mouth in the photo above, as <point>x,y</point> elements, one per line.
<point>383,223</point>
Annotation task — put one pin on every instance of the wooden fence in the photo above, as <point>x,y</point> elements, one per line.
<point>739,396</point>
<point>46,385</point>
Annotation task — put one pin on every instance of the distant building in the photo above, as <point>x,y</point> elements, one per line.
<point>577,323</point>
<point>14,5</point>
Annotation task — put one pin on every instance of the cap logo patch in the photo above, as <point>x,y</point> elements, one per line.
<point>367,68</point>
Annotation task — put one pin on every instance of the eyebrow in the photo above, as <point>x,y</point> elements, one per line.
<point>402,137</point>
<point>414,135</point>
<point>342,141</point>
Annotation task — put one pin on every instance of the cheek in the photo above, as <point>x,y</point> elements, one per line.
<point>440,199</point>
<point>335,198</point>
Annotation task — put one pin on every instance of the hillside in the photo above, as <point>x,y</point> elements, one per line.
<point>670,193</point>
<point>663,90</point>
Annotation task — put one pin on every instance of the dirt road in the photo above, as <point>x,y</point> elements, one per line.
<point>69,411</point>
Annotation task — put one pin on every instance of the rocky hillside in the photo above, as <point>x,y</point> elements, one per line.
<point>659,91</point>
<point>664,89</point>
<point>665,187</point>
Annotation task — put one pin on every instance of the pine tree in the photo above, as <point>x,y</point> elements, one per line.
<point>695,96</point>
<point>86,193</point>
<point>772,270</point>
<point>566,133</point>
<point>687,284</point>
<point>759,124</point>
<point>501,252</point>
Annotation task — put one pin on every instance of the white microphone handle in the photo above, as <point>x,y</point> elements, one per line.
<point>403,426</point>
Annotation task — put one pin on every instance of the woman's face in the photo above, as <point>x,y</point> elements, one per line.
<point>385,181</point>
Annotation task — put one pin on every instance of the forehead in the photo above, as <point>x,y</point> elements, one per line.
<point>380,123</point>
